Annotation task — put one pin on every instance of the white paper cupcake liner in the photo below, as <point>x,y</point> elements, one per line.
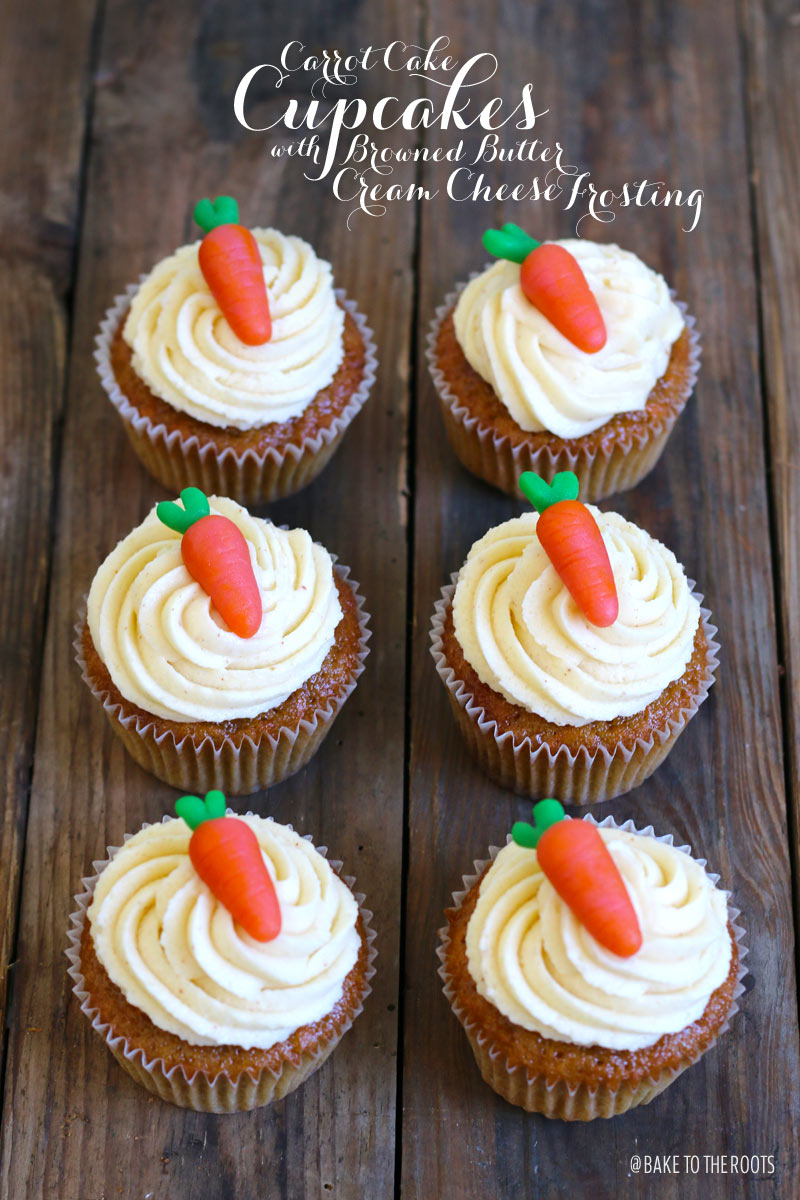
<point>235,768</point>
<point>220,1093</point>
<point>555,1098</point>
<point>249,477</point>
<point>602,471</point>
<point>574,778</point>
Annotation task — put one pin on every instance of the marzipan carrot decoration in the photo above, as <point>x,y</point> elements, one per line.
<point>551,278</point>
<point>217,556</point>
<point>227,857</point>
<point>231,264</point>
<point>574,544</point>
<point>575,859</point>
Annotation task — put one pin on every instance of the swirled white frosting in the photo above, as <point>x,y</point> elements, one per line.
<point>533,960</point>
<point>187,353</point>
<point>176,953</point>
<point>544,380</point>
<point>526,638</point>
<point>168,650</point>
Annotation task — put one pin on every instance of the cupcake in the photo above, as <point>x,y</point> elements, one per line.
<point>573,649</point>
<point>235,364</point>
<point>220,646</point>
<point>589,965</point>
<point>221,958</point>
<point>566,355</point>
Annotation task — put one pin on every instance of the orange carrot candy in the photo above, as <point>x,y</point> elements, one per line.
<point>551,278</point>
<point>575,859</point>
<point>227,857</point>
<point>231,264</point>
<point>574,544</point>
<point>216,554</point>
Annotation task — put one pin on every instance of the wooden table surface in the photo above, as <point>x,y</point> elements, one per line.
<point>116,116</point>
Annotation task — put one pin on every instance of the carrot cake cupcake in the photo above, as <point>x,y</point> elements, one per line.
<point>220,646</point>
<point>235,364</point>
<point>573,649</point>
<point>220,957</point>
<point>590,965</point>
<point>569,355</point>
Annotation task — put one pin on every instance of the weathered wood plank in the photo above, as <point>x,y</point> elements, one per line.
<point>31,381</point>
<point>164,134</point>
<point>648,90</point>
<point>40,157</point>
<point>773,60</point>
<point>45,65</point>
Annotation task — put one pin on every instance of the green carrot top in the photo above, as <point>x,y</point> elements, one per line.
<point>209,214</point>
<point>542,495</point>
<point>195,506</point>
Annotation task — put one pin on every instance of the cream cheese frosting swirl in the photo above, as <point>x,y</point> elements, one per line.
<point>187,353</point>
<point>533,960</point>
<point>177,954</point>
<point>168,650</point>
<point>544,380</point>
<point>525,636</point>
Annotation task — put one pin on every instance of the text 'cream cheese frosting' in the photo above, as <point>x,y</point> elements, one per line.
<point>177,954</point>
<point>533,960</point>
<point>545,381</point>
<point>525,637</point>
<point>168,650</point>
<point>187,354</point>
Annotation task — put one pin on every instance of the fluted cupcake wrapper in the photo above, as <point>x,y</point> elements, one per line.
<point>602,471</point>
<point>221,1093</point>
<point>237,768</point>
<point>583,777</point>
<point>251,477</point>
<point>555,1098</point>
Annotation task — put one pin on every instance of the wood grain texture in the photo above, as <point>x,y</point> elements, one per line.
<point>31,381</point>
<point>772,40</point>
<point>649,90</point>
<point>45,80</point>
<point>76,1125</point>
<point>40,159</point>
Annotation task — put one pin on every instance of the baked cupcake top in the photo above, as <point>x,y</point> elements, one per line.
<point>177,952</point>
<point>541,376</point>
<point>524,634</point>
<point>533,958</point>
<point>166,644</point>
<point>186,352</point>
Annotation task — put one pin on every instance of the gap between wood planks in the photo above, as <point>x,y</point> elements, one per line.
<point>411,510</point>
